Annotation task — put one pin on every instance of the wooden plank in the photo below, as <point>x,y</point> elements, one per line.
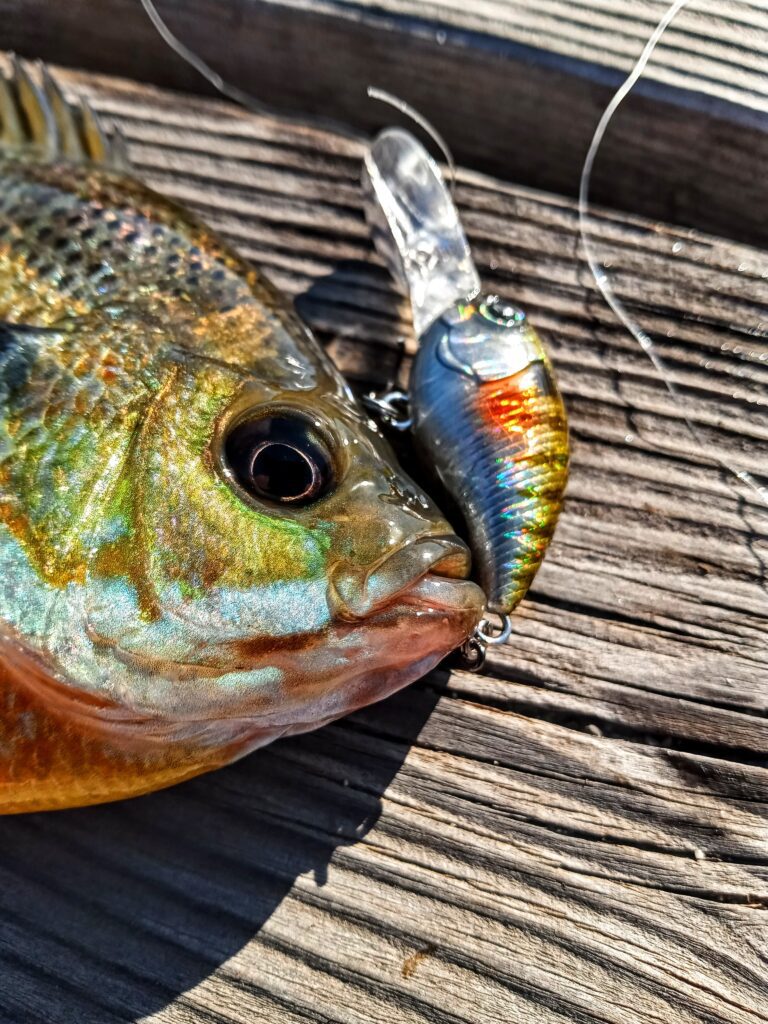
<point>578,835</point>
<point>516,86</point>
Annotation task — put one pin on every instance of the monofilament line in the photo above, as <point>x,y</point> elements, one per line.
<point>221,85</point>
<point>601,278</point>
<point>411,112</point>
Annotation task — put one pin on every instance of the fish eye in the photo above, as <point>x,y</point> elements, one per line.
<point>280,458</point>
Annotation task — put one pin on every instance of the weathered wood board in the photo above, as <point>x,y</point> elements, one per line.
<point>516,86</point>
<point>578,835</point>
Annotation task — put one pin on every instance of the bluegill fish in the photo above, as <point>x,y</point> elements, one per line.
<point>204,542</point>
<point>485,407</point>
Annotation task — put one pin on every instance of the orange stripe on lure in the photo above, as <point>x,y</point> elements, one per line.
<point>485,408</point>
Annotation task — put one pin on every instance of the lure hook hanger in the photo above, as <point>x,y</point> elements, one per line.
<point>491,631</point>
<point>391,407</point>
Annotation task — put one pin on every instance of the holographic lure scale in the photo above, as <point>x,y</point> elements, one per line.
<point>484,404</point>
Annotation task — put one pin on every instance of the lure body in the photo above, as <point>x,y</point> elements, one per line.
<point>489,417</point>
<point>161,612</point>
<point>486,411</point>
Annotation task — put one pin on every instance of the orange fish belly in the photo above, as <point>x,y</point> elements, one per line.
<point>52,756</point>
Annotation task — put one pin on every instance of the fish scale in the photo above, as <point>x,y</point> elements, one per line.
<point>78,253</point>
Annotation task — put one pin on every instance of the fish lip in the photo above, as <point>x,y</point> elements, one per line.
<point>357,594</point>
<point>444,593</point>
<point>456,562</point>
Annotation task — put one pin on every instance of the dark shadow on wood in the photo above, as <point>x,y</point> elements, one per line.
<point>359,286</point>
<point>139,901</point>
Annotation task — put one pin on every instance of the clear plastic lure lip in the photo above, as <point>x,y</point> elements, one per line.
<point>416,226</point>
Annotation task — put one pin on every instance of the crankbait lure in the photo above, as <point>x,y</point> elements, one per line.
<point>484,406</point>
<point>204,541</point>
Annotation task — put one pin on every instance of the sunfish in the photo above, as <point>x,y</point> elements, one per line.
<point>205,543</point>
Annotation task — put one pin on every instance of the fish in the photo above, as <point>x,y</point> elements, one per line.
<point>206,543</point>
<point>485,409</point>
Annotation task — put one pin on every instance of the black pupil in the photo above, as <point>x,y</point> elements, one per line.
<point>279,458</point>
<point>282,471</point>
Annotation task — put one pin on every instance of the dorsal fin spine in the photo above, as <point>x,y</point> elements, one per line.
<point>40,117</point>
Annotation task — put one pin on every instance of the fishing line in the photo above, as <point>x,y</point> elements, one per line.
<point>242,98</point>
<point>411,112</point>
<point>207,72</point>
<point>226,88</point>
<point>598,272</point>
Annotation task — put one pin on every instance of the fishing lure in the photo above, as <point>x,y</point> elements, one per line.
<point>485,409</point>
<point>205,543</point>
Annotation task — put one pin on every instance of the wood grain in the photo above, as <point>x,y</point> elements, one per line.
<point>578,835</point>
<point>516,86</point>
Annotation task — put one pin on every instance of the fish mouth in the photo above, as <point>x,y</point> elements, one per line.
<point>359,593</point>
<point>392,624</point>
<point>420,582</point>
<point>426,577</point>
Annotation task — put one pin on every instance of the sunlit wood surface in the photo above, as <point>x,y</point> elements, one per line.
<point>516,86</point>
<point>577,835</point>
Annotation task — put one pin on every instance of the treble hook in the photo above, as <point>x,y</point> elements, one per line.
<point>487,634</point>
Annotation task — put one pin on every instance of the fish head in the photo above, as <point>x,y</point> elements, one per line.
<point>263,564</point>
